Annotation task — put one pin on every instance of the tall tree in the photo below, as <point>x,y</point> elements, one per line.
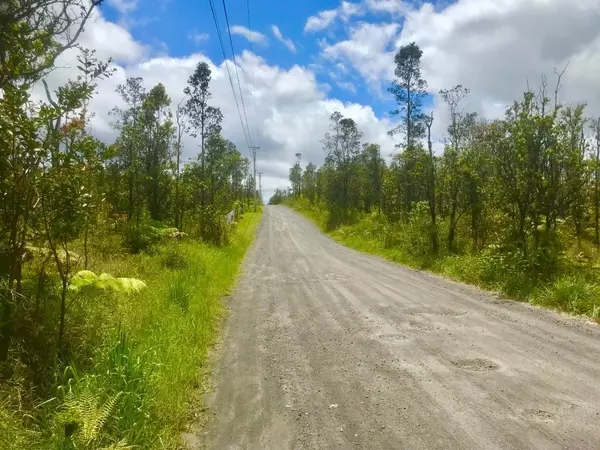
<point>431,188</point>
<point>342,149</point>
<point>129,158</point>
<point>157,130</point>
<point>296,178</point>
<point>409,90</point>
<point>460,126</point>
<point>180,130</point>
<point>204,119</point>
<point>310,182</point>
<point>373,166</point>
<point>596,177</point>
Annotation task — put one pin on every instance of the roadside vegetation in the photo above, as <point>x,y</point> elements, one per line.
<point>511,205</point>
<point>113,255</point>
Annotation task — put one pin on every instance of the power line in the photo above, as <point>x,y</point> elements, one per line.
<point>237,74</point>
<point>212,8</point>
<point>252,73</point>
<point>254,149</point>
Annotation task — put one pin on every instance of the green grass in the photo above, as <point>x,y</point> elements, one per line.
<point>573,291</point>
<point>141,360</point>
<point>571,295</point>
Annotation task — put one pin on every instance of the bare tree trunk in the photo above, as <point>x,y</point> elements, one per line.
<point>130,207</point>
<point>85,244</point>
<point>434,234</point>
<point>63,311</point>
<point>6,324</point>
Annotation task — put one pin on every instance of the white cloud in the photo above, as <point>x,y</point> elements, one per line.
<point>124,6</point>
<point>111,40</point>
<point>494,46</point>
<point>198,38</point>
<point>252,36</point>
<point>389,6</point>
<point>347,85</point>
<point>324,19</point>
<point>321,21</point>
<point>490,46</point>
<point>291,113</point>
<point>287,42</point>
<point>348,9</point>
<point>367,50</point>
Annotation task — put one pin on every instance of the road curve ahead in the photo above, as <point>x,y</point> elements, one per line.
<point>327,348</point>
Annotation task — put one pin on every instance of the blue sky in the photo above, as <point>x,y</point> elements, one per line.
<point>174,22</point>
<point>343,61</point>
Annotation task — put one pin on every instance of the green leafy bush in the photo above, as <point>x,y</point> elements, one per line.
<point>140,238</point>
<point>143,237</point>
<point>175,258</point>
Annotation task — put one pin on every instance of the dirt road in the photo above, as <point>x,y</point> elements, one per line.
<point>327,348</point>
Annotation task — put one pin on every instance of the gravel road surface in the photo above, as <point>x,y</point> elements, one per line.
<point>328,348</point>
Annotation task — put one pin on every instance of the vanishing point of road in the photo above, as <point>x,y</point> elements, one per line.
<point>328,348</point>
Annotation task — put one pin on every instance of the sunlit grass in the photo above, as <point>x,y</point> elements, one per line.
<point>571,295</point>
<point>147,352</point>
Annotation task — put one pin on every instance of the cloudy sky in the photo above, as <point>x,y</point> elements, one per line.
<point>313,57</point>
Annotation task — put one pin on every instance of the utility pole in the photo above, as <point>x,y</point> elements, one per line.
<point>254,149</point>
<point>298,182</point>
<point>260,185</point>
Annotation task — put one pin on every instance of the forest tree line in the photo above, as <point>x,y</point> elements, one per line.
<point>524,187</point>
<point>62,189</point>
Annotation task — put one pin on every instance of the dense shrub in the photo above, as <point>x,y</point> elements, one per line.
<point>142,237</point>
<point>174,257</point>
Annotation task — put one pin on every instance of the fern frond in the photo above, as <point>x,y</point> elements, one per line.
<point>121,445</point>
<point>84,418</point>
<point>102,415</point>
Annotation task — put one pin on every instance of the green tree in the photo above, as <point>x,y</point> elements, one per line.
<point>373,167</point>
<point>431,185</point>
<point>128,158</point>
<point>296,176</point>
<point>181,121</point>
<point>459,130</point>
<point>596,178</point>
<point>157,130</point>
<point>36,32</point>
<point>204,119</point>
<point>409,90</point>
<point>342,146</point>
<point>310,182</point>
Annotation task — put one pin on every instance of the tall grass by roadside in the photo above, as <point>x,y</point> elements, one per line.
<point>571,288</point>
<point>136,375</point>
<point>571,295</point>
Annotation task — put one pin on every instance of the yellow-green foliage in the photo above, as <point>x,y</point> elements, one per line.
<point>88,279</point>
<point>138,355</point>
